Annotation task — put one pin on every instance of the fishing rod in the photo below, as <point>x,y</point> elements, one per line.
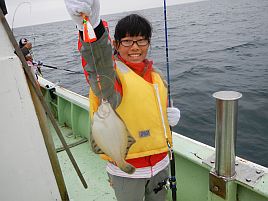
<point>54,67</point>
<point>40,96</point>
<point>13,19</point>
<point>25,2</point>
<point>172,180</point>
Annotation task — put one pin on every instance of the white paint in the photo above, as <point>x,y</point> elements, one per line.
<point>74,98</point>
<point>25,170</point>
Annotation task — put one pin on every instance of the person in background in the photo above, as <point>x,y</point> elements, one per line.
<point>26,48</point>
<point>3,6</point>
<point>136,91</point>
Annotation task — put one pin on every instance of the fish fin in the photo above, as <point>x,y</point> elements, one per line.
<point>130,142</point>
<point>95,148</point>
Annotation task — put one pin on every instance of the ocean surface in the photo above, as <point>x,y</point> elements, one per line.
<point>213,46</point>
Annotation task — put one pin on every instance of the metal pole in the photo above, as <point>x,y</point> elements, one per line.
<point>226,131</point>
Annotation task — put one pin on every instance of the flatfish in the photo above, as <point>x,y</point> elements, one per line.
<point>111,137</point>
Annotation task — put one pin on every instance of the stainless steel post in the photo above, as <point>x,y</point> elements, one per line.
<point>226,131</point>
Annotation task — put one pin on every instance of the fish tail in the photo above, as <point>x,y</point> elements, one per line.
<point>127,168</point>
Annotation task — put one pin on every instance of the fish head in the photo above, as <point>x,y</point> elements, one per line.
<point>104,110</point>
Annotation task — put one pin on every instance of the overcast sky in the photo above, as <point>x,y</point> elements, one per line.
<point>29,12</point>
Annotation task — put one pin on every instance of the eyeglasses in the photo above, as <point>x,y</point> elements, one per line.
<point>129,43</point>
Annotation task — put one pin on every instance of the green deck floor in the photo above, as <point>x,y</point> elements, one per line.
<point>193,160</point>
<point>192,175</point>
<point>91,166</point>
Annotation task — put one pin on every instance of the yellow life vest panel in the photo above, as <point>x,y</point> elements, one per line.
<point>143,110</point>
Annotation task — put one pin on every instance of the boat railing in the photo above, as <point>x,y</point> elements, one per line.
<point>199,174</point>
<point>69,108</point>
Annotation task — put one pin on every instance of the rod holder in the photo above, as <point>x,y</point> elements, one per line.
<point>226,132</point>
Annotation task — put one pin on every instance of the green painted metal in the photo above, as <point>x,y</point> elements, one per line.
<point>192,181</point>
<point>69,114</point>
<point>247,194</point>
<point>191,171</point>
<point>64,112</point>
<point>193,175</point>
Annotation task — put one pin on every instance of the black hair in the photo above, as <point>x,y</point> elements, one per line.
<point>133,25</point>
<point>3,6</point>
<point>22,42</point>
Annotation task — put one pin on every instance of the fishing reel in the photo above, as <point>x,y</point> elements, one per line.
<point>38,63</point>
<point>169,183</point>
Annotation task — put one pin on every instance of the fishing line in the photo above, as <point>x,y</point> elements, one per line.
<point>98,75</point>
<point>33,35</point>
<point>87,36</point>
<point>90,37</point>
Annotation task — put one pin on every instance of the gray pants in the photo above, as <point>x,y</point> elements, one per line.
<point>128,189</point>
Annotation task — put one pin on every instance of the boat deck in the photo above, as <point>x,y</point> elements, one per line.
<point>194,160</point>
<point>96,178</point>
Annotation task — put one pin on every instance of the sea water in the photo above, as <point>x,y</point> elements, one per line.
<point>213,46</point>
